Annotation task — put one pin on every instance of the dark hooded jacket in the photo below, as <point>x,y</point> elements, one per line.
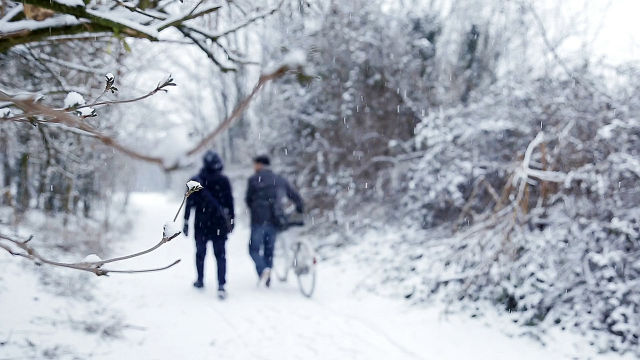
<point>264,192</point>
<point>215,196</point>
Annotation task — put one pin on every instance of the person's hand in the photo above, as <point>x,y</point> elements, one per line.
<point>185,230</point>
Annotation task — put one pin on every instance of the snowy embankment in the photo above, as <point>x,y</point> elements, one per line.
<point>161,316</point>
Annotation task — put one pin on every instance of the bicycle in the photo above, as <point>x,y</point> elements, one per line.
<point>299,256</point>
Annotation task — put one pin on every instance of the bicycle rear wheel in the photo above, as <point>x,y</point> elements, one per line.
<point>281,260</point>
<point>305,267</point>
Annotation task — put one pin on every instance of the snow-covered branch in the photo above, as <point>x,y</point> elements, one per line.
<point>125,19</point>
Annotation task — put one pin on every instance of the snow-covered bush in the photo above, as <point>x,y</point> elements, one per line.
<point>555,250</point>
<point>518,187</point>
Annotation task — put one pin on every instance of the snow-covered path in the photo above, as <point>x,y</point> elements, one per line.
<point>172,320</point>
<point>161,316</point>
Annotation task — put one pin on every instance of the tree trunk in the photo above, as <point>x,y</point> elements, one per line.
<point>6,172</point>
<point>23,195</point>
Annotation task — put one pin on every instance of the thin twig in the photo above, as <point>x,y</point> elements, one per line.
<point>160,87</point>
<point>184,199</point>
<point>162,241</point>
<point>145,270</point>
<point>545,38</point>
<point>250,21</point>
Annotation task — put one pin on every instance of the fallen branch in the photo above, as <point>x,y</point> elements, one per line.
<point>524,172</point>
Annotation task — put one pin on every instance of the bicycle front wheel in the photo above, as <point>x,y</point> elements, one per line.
<point>305,267</point>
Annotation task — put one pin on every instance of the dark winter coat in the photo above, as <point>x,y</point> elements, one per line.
<point>264,191</point>
<point>216,196</point>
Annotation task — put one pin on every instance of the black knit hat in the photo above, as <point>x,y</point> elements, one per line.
<point>212,161</point>
<point>262,159</point>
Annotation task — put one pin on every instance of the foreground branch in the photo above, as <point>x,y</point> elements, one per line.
<point>21,248</point>
<point>37,113</point>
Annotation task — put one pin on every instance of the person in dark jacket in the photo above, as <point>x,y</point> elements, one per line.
<point>264,199</point>
<point>214,217</point>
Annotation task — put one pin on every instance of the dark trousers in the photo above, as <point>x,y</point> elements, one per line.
<point>218,251</point>
<point>263,238</point>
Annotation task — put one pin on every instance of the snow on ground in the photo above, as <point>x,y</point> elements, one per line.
<point>161,316</point>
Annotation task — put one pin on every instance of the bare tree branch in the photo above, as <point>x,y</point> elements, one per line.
<point>206,50</point>
<point>31,254</point>
<point>136,9</point>
<point>67,64</point>
<point>233,57</point>
<point>250,21</point>
<point>545,37</point>
<point>145,270</point>
<point>160,87</point>
<point>33,109</point>
<point>239,109</point>
<point>190,15</point>
<point>95,267</point>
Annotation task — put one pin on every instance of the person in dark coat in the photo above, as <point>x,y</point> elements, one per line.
<point>214,217</point>
<point>264,199</point>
